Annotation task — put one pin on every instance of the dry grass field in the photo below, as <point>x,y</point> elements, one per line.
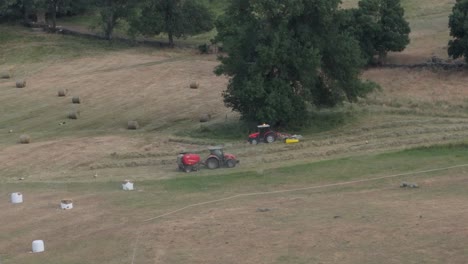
<point>86,159</point>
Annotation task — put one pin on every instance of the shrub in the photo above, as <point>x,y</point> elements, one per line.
<point>204,48</point>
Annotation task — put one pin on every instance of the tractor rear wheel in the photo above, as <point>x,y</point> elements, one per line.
<point>230,163</point>
<point>212,163</point>
<point>270,138</point>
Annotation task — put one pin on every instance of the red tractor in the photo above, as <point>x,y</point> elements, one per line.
<point>264,134</point>
<point>191,162</point>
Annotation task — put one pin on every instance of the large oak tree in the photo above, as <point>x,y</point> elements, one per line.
<point>285,55</point>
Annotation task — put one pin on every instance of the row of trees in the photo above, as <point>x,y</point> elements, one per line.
<point>12,9</point>
<point>176,18</point>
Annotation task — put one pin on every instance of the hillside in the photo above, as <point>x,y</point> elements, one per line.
<point>118,83</point>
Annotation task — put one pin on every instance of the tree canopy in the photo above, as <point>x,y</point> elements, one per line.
<point>176,18</point>
<point>458,23</point>
<point>380,27</point>
<point>14,9</point>
<point>286,55</point>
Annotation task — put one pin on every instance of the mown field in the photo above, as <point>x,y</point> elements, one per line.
<point>417,122</point>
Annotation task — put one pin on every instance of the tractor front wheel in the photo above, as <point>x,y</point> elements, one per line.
<point>230,163</point>
<point>212,163</point>
<point>254,141</point>
<point>270,138</point>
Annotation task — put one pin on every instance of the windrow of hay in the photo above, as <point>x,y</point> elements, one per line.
<point>62,92</point>
<point>25,139</point>
<point>76,100</point>
<point>20,83</point>
<point>194,85</point>
<point>133,125</point>
<point>75,114</point>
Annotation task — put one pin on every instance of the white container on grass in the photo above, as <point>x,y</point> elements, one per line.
<point>66,204</point>
<point>38,246</point>
<point>127,185</point>
<point>16,198</point>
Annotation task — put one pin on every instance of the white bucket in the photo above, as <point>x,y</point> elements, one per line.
<point>37,246</point>
<point>127,185</point>
<point>66,204</point>
<point>16,198</point>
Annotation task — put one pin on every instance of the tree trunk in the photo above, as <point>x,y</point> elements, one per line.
<point>171,38</point>
<point>382,57</point>
<point>109,30</point>
<point>109,20</point>
<point>40,14</point>
<point>27,10</point>
<point>53,13</point>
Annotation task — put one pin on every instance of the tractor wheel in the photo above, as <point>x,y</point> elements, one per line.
<point>188,169</point>
<point>254,141</point>
<point>230,163</point>
<point>270,139</point>
<point>212,163</point>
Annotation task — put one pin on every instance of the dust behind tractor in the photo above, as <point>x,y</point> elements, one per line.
<point>216,159</point>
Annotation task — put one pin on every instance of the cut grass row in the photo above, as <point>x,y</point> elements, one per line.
<point>225,183</point>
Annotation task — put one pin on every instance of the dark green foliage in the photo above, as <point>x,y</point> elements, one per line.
<point>112,11</point>
<point>15,9</point>
<point>380,27</point>
<point>458,23</point>
<point>203,49</point>
<point>286,55</point>
<point>176,18</point>
<point>10,9</point>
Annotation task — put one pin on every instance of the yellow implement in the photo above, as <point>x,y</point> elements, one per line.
<point>291,140</point>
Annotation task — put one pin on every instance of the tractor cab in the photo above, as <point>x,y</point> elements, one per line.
<point>217,151</point>
<point>264,134</point>
<point>218,158</point>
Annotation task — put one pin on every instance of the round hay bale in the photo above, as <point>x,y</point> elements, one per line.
<point>205,118</point>
<point>194,85</point>
<point>74,115</point>
<point>5,75</point>
<point>76,100</point>
<point>20,83</point>
<point>62,92</point>
<point>133,125</point>
<point>25,139</point>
